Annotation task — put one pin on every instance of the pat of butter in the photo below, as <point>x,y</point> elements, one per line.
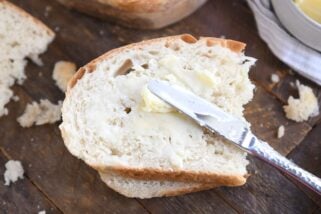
<point>152,103</point>
<point>203,77</point>
<point>171,63</point>
<point>196,79</point>
<point>311,8</point>
<point>206,78</point>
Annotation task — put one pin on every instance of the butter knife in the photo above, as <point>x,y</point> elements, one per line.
<point>234,129</point>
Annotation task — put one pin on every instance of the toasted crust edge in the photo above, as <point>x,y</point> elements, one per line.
<point>140,5</point>
<point>177,175</point>
<point>142,14</point>
<point>233,45</point>
<point>154,174</point>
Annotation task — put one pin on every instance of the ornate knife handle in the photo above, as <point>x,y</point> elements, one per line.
<point>266,153</point>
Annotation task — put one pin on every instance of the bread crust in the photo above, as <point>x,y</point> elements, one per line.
<point>28,16</point>
<point>154,174</point>
<point>177,175</point>
<point>143,14</point>
<point>233,45</point>
<point>140,5</point>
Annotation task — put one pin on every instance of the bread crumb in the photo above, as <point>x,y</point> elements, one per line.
<point>15,98</point>
<point>275,78</point>
<point>62,73</point>
<point>4,111</point>
<point>36,59</point>
<point>304,107</point>
<point>281,131</point>
<point>292,84</point>
<point>42,212</point>
<point>40,114</point>
<point>57,29</point>
<point>13,172</point>
<point>48,9</point>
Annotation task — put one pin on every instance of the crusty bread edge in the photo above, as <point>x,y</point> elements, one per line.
<point>233,45</point>
<point>141,14</point>
<point>213,179</point>
<point>218,179</point>
<point>29,16</point>
<point>139,6</point>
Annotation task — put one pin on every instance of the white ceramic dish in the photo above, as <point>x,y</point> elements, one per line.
<point>298,24</point>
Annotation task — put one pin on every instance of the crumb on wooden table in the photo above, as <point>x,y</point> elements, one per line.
<point>62,73</point>
<point>275,78</point>
<point>14,171</point>
<point>15,98</point>
<point>300,109</point>
<point>40,113</point>
<point>281,131</point>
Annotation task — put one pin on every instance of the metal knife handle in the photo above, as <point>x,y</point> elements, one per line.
<point>266,153</point>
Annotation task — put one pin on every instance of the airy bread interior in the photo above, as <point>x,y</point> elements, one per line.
<point>21,36</point>
<point>105,125</point>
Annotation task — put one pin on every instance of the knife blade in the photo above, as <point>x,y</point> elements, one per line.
<point>206,114</point>
<point>236,130</point>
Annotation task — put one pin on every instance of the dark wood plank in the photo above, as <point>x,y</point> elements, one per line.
<point>317,211</point>
<point>201,202</point>
<point>307,155</point>
<point>22,196</point>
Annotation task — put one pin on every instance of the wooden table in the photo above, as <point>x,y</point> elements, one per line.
<point>57,182</point>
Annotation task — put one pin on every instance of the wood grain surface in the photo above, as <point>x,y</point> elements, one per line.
<point>57,182</point>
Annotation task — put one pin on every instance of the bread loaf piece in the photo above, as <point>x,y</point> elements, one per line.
<point>21,36</point>
<point>105,125</point>
<point>134,188</point>
<point>138,13</point>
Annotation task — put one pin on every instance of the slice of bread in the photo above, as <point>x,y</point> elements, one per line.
<point>134,188</point>
<point>138,13</point>
<point>105,125</point>
<point>21,36</point>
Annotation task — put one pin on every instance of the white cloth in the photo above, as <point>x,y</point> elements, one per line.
<point>301,58</point>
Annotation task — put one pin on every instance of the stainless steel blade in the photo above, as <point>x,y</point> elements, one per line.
<point>203,112</point>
